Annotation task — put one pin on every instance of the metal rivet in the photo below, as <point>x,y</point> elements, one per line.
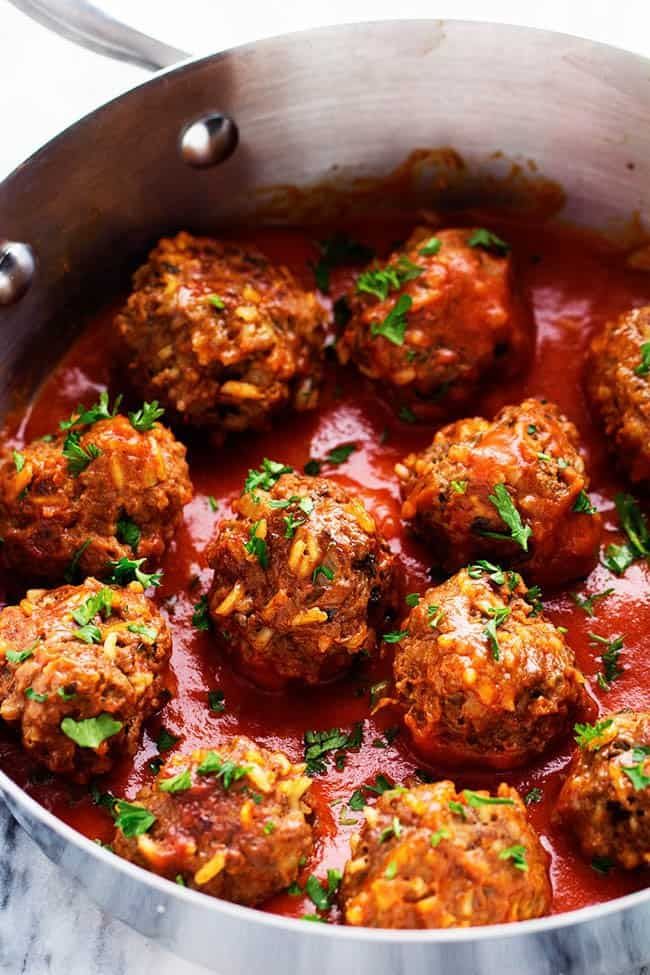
<point>17,267</point>
<point>208,141</point>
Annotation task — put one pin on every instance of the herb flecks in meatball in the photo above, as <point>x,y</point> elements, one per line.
<point>230,821</point>
<point>482,677</point>
<point>105,488</point>
<point>81,667</point>
<point>435,320</point>
<point>605,801</point>
<point>222,337</point>
<point>513,489</point>
<point>429,857</point>
<point>618,383</point>
<point>302,578</point>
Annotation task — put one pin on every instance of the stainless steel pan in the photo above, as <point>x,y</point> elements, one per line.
<point>199,145</point>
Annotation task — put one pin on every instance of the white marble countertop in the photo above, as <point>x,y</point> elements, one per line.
<point>47,924</point>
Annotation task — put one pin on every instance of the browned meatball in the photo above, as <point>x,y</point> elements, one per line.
<point>428,857</point>
<point>97,492</point>
<point>482,678</point>
<point>618,383</point>
<point>461,491</point>
<point>302,578</point>
<point>436,319</point>
<point>230,821</point>
<point>220,335</point>
<point>81,667</point>
<point>605,800</point>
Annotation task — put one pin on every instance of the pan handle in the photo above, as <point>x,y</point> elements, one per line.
<point>90,26</point>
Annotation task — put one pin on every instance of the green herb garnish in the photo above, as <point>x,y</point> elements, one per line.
<point>128,532</point>
<point>91,732</point>
<point>488,241</point>
<point>178,783</point>
<point>509,515</point>
<point>77,456</point>
<point>131,819</point>
<point>393,327</point>
<point>587,734</point>
<point>144,418</point>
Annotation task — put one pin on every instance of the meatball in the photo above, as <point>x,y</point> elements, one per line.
<point>230,821</point>
<point>434,321</point>
<point>618,384</point>
<point>513,489</point>
<point>605,800</point>
<point>482,677</point>
<point>302,578</point>
<point>81,667</point>
<point>221,336</point>
<point>101,491</point>
<point>428,857</point>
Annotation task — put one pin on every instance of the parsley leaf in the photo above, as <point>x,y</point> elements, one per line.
<point>619,557</point>
<point>131,819</point>
<point>509,515</point>
<point>19,460</point>
<point>165,740</point>
<point>583,505</point>
<point>178,783</point>
<point>265,477</point>
<point>338,455</point>
<point>587,735</point>
<point>488,241</point>
<point>499,615</point>
<point>216,302</point>
<point>644,366</point>
<point>128,532</point>
<point>393,327</point>
<point>78,456</point>
<point>322,570</point>
<point>602,865</point>
<point>430,246</point>
<point>610,659</point>
<point>201,615</point>
<point>475,799</point>
<point>71,572</point>
<point>318,744</point>
<point>144,418</point>
<point>440,834</point>
<point>587,603</point>
<point>226,770</point>
<point>323,897</point>
<point>413,599</point>
<point>91,732</point>
<point>517,854</point>
<point>395,636</point>
<point>19,656</point>
<point>494,572</point>
<point>257,546</point>
<point>128,570</point>
<point>35,696</point>
<point>217,701</point>
<point>381,281</point>
<point>534,796</point>
<point>98,411</point>
<point>635,772</point>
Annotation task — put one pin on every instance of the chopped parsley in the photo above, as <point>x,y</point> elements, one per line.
<point>381,281</point>
<point>128,532</point>
<point>610,658</point>
<point>587,735</point>
<point>644,366</point>
<point>178,783</point>
<point>458,809</point>
<point>78,456</point>
<point>533,597</point>
<point>338,455</point>
<point>356,800</point>
<point>291,523</point>
<point>165,740</point>
<point>144,418</point>
<point>335,252</point>
<point>19,656</point>
<point>217,302</point>
<point>322,570</point>
<point>393,327</point>
<point>395,636</point>
<point>91,732</point>
<point>19,460</point>
<point>475,799</point>
<point>318,744</point>
<point>635,772</point>
<point>128,570</point>
<point>517,854</point>
<point>131,819</point>
<point>390,734</point>
<point>488,241</point>
<point>413,599</point>
<point>212,501</point>
<point>583,505</point>
<point>89,633</point>
<point>391,871</point>
<point>101,410</point>
<point>148,632</point>
<point>482,567</point>
<point>380,785</point>
<point>269,827</point>
<point>265,477</point>
<point>436,614</point>
<point>67,693</point>
<point>70,573</point>
<point>602,865</point>
<point>99,604</point>
<point>323,897</point>
<point>430,246</point>
<point>459,487</point>
<point>217,701</point>
<point>588,603</point>
<point>312,467</point>
<point>534,796</point>
<point>509,515</point>
<point>201,615</point>
<point>227,771</point>
<point>619,557</point>
<point>257,546</point>
<point>440,834</point>
<point>499,615</point>
<point>395,829</point>
<point>35,696</point>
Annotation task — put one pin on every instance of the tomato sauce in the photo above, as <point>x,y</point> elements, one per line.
<point>573,282</point>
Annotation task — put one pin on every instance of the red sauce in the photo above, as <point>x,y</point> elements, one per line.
<point>574,283</point>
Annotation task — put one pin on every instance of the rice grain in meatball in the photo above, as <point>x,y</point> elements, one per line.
<point>81,667</point>
<point>481,676</point>
<point>618,383</point>
<point>437,319</point>
<point>524,465</point>
<point>429,857</point>
<point>231,821</point>
<point>302,578</point>
<point>222,337</point>
<point>605,801</point>
<point>97,492</point>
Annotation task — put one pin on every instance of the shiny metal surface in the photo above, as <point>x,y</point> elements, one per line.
<point>338,104</point>
<point>17,268</point>
<point>208,141</point>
